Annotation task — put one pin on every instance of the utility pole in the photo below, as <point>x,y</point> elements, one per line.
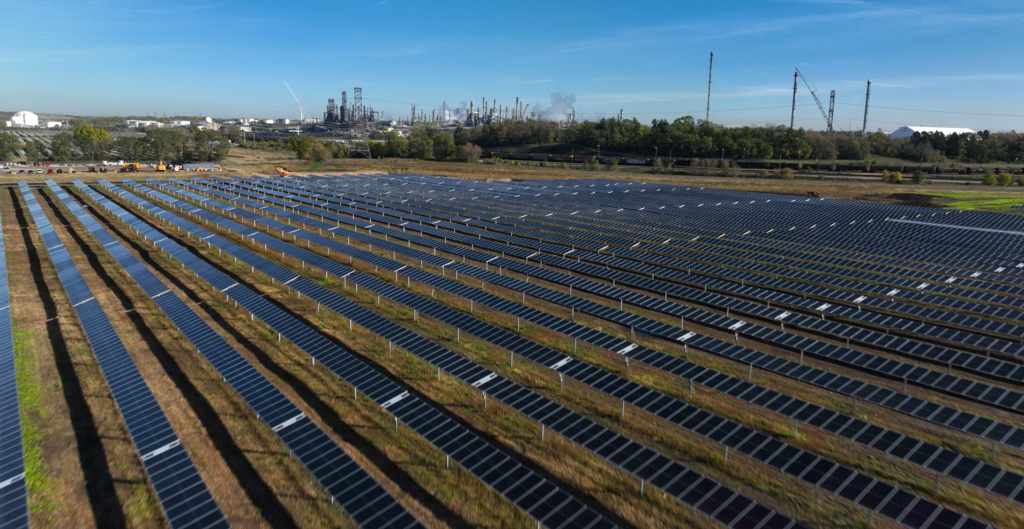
<point>711,63</point>
<point>867,99</point>
<point>792,113</point>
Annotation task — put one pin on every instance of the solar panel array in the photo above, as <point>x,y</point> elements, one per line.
<point>723,504</point>
<point>13,490</point>
<point>932,379</point>
<point>917,407</point>
<point>183,496</point>
<point>923,298</point>
<point>742,439</point>
<point>363,499</point>
<point>531,492</point>
<point>948,462</point>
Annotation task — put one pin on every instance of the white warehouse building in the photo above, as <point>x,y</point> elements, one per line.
<point>907,131</point>
<point>24,119</point>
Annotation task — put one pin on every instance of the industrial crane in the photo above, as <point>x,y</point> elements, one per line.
<point>302,111</point>
<point>827,115</point>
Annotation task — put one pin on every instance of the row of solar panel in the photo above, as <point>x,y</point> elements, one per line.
<point>765,271</point>
<point>449,183</point>
<point>943,382</point>
<point>183,495</point>
<point>13,489</point>
<point>531,492</point>
<point>603,227</point>
<point>737,437</point>
<point>917,407</point>
<point>631,456</point>
<point>363,499</point>
<point>979,342</point>
<point>981,474</point>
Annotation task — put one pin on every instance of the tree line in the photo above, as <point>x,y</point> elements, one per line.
<point>687,137</point>
<point>86,142</point>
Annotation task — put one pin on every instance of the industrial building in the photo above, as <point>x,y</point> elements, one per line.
<point>907,131</point>
<point>24,119</point>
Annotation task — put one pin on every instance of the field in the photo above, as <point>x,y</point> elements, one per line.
<point>668,335</point>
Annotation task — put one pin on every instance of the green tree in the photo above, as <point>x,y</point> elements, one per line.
<point>658,166</point>
<point>460,136</point>
<point>395,145</point>
<point>421,147</point>
<point>318,153</point>
<point>377,150</point>
<point>234,134</point>
<point>444,146</point>
<point>302,145</point>
<point>989,179</point>
<point>33,151</point>
<point>131,148</point>
<point>166,144</point>
<point>61,147</point>
<point>611,165</point>
<point>469,153</point>
<point>85,137</point>
<point>1004,179</point>
<point>8,146</point>
<point>918,177</point>
<point>209,145</point>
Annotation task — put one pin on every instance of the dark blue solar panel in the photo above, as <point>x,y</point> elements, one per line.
<point>183,495</point>
<point>445,433</point>
<point>628,390</point>
<point>372,506</point>
<point>13,492</point>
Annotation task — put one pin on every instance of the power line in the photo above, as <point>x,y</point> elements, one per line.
<point>940,111</point>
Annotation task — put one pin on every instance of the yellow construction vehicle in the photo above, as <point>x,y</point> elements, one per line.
<point>160,167</point>
<point>130,168</point>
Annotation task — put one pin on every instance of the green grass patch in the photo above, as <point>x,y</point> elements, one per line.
<point>316,167</point>
<point>31,409</point>
<point>986,205</point>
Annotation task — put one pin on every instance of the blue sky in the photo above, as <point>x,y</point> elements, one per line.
<point>964,61</point>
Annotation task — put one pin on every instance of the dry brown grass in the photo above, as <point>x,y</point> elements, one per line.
<point>412,469</point>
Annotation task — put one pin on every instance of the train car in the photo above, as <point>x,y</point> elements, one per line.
<point>539,157</point>
<point>636,161</point>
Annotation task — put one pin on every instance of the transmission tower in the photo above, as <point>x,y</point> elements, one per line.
<point>361,143</point>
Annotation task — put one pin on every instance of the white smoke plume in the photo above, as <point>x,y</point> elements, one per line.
<point>561,106</point>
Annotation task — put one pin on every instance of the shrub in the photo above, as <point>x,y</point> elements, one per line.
<point>989,179</point>
<point>611,165</point>
<point>918,177</point>
<point>894,177</point>
<point>1004,179</point>
<point>786,174</point>
<point>658,166</point>
<point>763,173</point>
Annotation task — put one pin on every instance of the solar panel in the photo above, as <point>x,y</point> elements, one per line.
<point>183,496</point>
<point>13,492</point>
<point>841,384</point>
<point>554,508</point>
<point>365,500</point>
<point>653,402</point>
